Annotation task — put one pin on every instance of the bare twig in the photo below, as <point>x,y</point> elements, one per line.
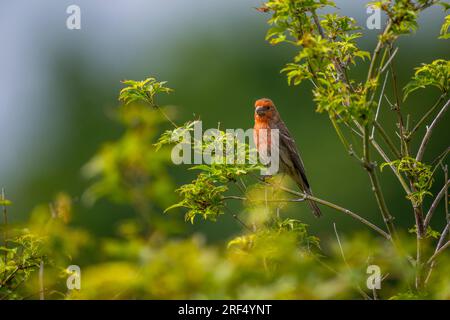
<point>377,51</point>
<point>388,219</point>
<point>398,99</point>
<point>425,117</point>
<point>41,281</point>
<point>337,64</point>
<point>386,138</point>
<point>447,213</point>
<point>438,252</point>
<point>435,204</point>
<point>365,295</point>
<point>439,245</point>
<point>379,104</point>
<point>235,217</point>
<point>5,222</point>
<point>430,129</point>
<point>335,207</point>
<point>389,61</point>
<point>394,169</point>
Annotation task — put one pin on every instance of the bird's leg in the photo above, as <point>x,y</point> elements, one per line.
<point>265,177</point>
<point>278,206</point>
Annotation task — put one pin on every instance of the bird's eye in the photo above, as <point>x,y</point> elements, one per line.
<point>265,108</point>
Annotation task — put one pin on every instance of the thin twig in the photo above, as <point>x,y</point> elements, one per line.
<point>337,64</point>
<point>5,223</point>
<point>441,157</point>
<point>404,145</point>
<point>435,204</point>
<point>438,252</point>
<point>438,246</point>
<point>389,60</point>
<point>337,208</point>
<point>443,235</point>
<point>377,51</point>
<point>235,216</point>
<point>345,261</point>
<point>394,169</point>
<point>430,129</point>
<point>379,104</point>
<point>386,138</point>
<point>41,281</point>
<point>165,115</point>
<point>425,117</point>
<point>447,213</point>
<point>388,219</point>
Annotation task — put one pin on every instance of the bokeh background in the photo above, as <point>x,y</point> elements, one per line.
<point>58,87</point>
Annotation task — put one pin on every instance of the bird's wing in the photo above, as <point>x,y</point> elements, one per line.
<point>287,140</point>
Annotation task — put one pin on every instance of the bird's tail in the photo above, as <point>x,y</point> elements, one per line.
<point>304,187</point>
<point>314,208</point>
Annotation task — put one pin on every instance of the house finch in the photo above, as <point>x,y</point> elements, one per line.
<point>290,163</point>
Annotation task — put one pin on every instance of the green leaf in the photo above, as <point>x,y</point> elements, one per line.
<point>435,74</point>
<point>5,202</point>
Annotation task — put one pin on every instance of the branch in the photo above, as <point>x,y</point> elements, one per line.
<point>438,252</point>
<point>394,169</point>
<point>439,245</point>
<point>427,114</point>
<point>379,104</point>
<point>428,4</point>
<point>376,184</point>
<point>5,223</point>
<point>386,138</point>
<point>443,235</point>
<point>337,64</point>
<point>377,51</point>
<point>401,125</point>
<point>430,129</point>
<point>389,61</point>
<point>335,207</point>
<point>386,159</point>
<point>435,204</point>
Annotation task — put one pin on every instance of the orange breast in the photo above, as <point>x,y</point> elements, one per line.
<point>261,135</point>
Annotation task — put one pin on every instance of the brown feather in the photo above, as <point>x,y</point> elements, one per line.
<point>290,160</point>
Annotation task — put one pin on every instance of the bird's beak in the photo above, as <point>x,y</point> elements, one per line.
<point>260,111</point>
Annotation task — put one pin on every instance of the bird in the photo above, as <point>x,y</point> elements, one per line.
<point>267,118</point>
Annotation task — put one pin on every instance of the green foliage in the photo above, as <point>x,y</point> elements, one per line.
<point>201,197</point>
<point>327,47</point>
<point>429,233</point>
<point>144,90</point>
<point>444,34</point>
<point>20,257</point>
<point>421,174</point>
<point>403,14</point>
<point>129,170</point>
<point>335,98</point>
<point>267,264</point>
<point>273,256</point>
<point>5,202</point>
<point>177,135</point>
<point>435,74</point>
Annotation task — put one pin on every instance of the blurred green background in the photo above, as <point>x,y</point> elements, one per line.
<point>58,87</point>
